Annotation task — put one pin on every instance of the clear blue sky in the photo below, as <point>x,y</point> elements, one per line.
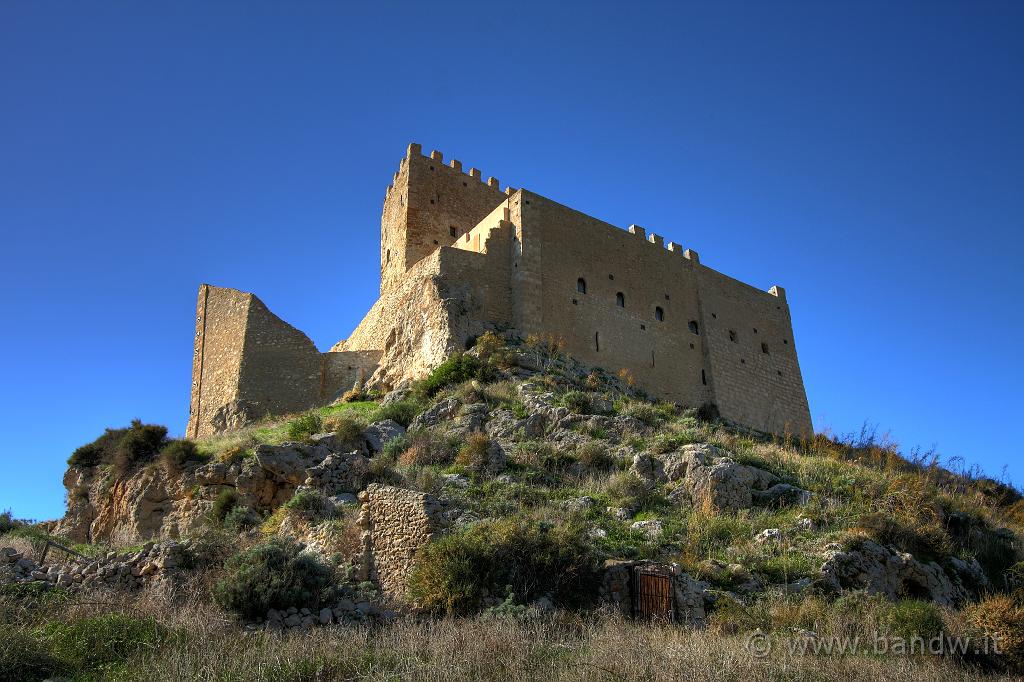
<point>867,156</point>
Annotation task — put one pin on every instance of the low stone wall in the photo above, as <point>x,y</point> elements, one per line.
<point>112,571</point>
<point>396,524</point>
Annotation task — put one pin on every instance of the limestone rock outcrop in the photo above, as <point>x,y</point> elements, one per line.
<point>883,570</point>
<point>710,478</point>
<point>150,503</point>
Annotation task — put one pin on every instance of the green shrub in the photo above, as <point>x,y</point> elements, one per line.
<point>177,453</point>
<point>311,506</point>
<point>627,490</point>
<point>7,522</point>
<point>96,644</point>
<point>595,456</point>
<point>225,502</point>
<point>24,657</point>
<point>121,447</point>
<point>272,575</point>
<point>708,412</point>
<point>455,370</point>
<point>241,518</point>
<point>393,449</point>
<point>401,411</point>
<point>644,412</point>
<point>348,429</point>
<point>668,442</point>
<point>577,401</point>
<point>528,558</point>
<point>304,426</point>
<point>100,451</point>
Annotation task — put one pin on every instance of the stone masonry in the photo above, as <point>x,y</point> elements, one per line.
<point>459,256</point>
<point>396,524</point>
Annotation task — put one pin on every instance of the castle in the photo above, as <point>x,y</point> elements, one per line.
<point>460,256</point>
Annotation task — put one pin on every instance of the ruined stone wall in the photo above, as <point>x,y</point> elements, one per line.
<point>280,365</point>
<point>221,316</point>
<point>428,205</point>
<point>341,369</point>
<point>399,523</point>
<point>248,362</point>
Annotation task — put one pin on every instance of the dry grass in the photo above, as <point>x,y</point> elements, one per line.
<point>204,644</point>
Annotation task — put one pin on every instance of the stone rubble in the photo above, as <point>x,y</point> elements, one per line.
<point>134,570</point>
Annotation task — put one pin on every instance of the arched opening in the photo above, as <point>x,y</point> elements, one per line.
<point>620,300</point>
<point>703,378</point>
<point>693,327</point>
<point>581,285</point>
<point>764,348</point>
<point>659,314</point>
<point>597,342</point>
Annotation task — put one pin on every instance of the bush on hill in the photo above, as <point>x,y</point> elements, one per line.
<point>525,557</point>
<point>272,575</point>
<point>122,447</point>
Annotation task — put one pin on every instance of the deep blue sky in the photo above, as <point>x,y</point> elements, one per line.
<point>867,156</point>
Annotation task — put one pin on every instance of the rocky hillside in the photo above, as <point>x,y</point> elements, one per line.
<point>516,482</point>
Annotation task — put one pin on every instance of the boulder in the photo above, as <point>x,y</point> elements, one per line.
<point>782,494</point>
<point>287,462</point>
<point>378,434</point>
<point>652,528</point>
<point>442,411</point>
<point>648,469</point>
<point>876,569</point>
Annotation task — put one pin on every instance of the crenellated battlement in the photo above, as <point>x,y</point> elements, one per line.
<point>415,151</point>
<point>656,240</point>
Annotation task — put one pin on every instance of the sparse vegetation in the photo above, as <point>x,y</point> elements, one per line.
<point>474,454</point>
<point>429,447</point>
<point>304,426</point>
<point>226,501</point>
<point>177,453</point>
<point>401,411</point>
<point>564,503</point>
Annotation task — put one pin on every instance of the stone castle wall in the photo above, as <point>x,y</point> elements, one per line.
<point>675,323</point>
<point>459,256</point>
